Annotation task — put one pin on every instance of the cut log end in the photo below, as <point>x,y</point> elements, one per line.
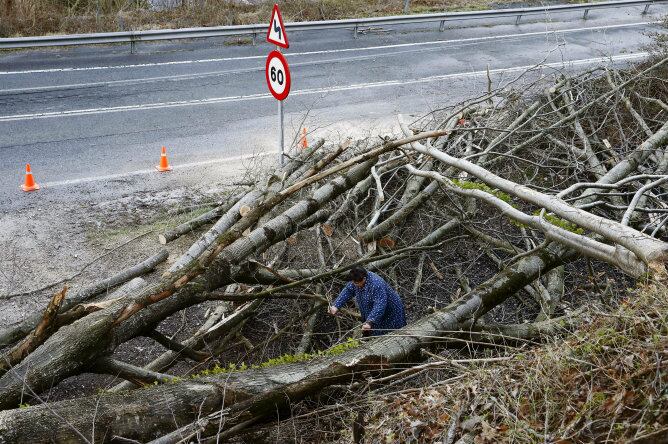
<point>162,239</point>
<point>658,269</point>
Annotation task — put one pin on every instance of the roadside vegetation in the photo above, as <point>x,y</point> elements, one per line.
<point>43,17</point>
<point>605,382</point>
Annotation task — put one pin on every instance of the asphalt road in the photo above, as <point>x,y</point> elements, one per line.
<point>91,120</point>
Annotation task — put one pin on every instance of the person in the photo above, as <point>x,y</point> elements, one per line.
<point>379,304</point>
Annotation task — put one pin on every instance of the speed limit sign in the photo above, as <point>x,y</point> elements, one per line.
<point>278,75</point>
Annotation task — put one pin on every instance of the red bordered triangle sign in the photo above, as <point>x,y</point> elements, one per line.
<point>276,32</point>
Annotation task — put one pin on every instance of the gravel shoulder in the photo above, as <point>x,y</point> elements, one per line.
<point>52,238</point>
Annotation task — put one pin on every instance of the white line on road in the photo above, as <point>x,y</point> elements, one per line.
<point>152,170</point>
<point>332,51</point>
<point>204,75</point>
<point>217,100</point>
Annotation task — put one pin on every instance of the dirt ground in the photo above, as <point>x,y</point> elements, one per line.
<point>78,243</point>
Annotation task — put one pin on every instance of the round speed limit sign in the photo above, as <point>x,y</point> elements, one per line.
<point>278,75</point>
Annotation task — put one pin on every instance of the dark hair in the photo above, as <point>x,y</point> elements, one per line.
<point>357,273</point>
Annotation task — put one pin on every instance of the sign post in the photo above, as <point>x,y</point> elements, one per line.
<point>277,72</point>
<point>281,136</point>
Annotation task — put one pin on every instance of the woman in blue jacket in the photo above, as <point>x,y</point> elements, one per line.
<point>379,304</point>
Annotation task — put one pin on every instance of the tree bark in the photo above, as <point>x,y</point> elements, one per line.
<point>197,222</point>
<point>37,336</point>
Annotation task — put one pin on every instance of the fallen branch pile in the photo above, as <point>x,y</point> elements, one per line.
<point>508,197</point>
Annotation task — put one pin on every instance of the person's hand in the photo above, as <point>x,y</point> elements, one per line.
<point>333,310</point>
<point>366,327</point>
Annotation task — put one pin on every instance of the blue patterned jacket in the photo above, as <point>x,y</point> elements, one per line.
<point>379,304</point>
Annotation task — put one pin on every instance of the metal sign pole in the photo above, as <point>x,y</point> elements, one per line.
<point>281,146</point>
<point>280,133</point>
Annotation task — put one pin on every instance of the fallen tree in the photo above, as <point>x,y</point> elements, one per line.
<point>262,390</point>
<point>428,210</point>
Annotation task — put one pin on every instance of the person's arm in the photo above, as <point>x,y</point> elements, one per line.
<point>346,294</point>
<point>379,297</point>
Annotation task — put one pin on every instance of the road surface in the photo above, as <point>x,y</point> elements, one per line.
<point>91,120</point>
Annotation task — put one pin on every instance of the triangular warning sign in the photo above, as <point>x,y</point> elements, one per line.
<point>276,32</point>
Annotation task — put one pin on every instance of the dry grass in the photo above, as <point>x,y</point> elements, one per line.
<point>41,17</point>
<point>606,382</point>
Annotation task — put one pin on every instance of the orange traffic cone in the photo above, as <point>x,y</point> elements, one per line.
<point>302,140</point>
<point>29,184</point>
<point>164,164</point>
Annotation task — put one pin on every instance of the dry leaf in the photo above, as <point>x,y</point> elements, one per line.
<point>292,240</point>
<point>470,424</point>
<point>386,242</point>
<point>327,229</point>
<point>371,247</point>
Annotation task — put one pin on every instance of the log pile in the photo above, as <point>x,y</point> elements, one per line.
<point>511,195</point>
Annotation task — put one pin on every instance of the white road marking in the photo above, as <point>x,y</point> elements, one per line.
<point>217,100</point>
<point>152,170</point>
<point>174,78</point>
<point>331,51</point>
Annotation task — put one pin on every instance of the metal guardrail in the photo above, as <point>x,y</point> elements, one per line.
<point>134,37</point>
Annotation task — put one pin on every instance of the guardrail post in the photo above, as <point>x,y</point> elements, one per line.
<point>132,44</point>
<point>646,9</point>
<point>254,38</point>
<point>355,32</point>
<point>584,17</point>
<point>517,22</point>
<point>442,27</point>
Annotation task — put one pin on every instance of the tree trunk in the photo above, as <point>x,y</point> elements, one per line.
<point>646,248</point>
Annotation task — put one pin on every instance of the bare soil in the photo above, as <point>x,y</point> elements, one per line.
<point>78,243</point>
